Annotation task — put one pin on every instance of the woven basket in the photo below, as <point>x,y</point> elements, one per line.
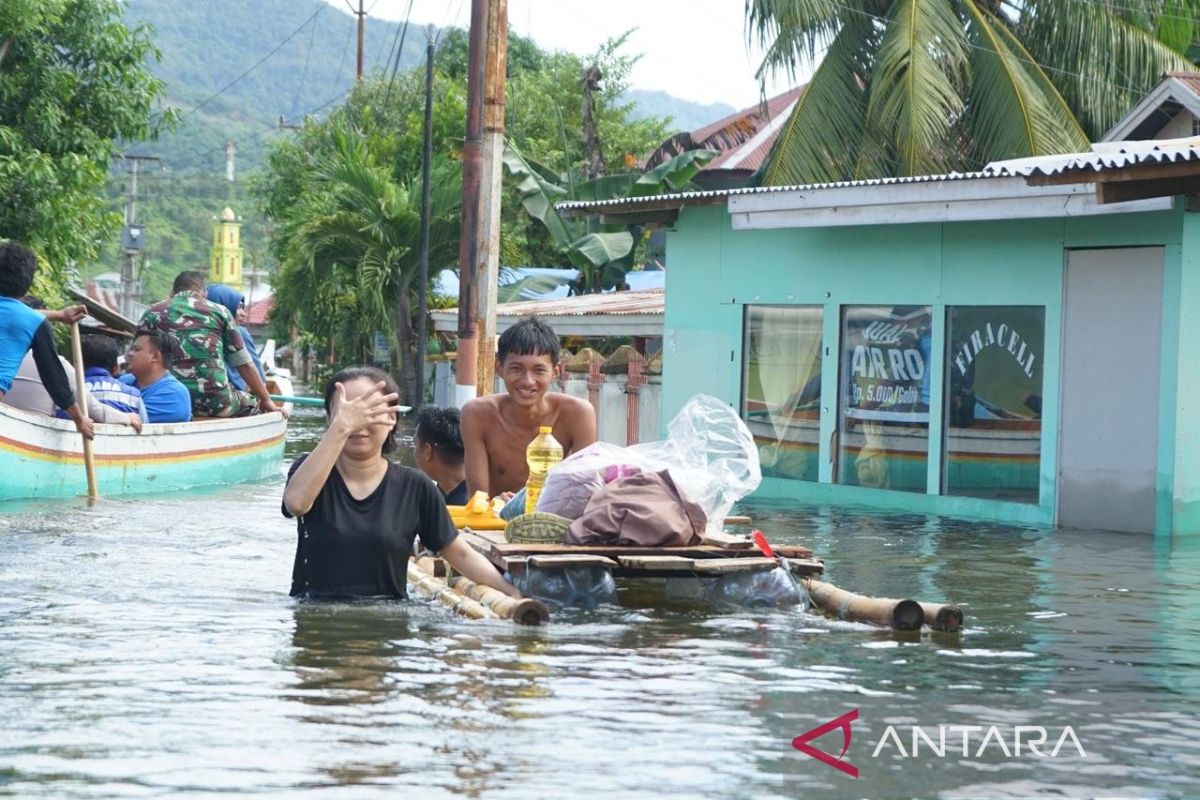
<point>537,528</point>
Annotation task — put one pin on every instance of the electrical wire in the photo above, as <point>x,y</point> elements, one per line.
<point>399,51</point>
<point>256,65</point>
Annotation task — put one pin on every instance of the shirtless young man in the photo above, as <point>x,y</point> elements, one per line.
<point>497,428</point>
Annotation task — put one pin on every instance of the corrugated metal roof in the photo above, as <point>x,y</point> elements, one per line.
<point>646,301</point>
<point>750,154</point>
<point>634,313</point>
<point>697,198</point>
<point>1104,156</point>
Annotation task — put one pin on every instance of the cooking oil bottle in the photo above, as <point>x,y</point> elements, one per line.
<point>543,453</point>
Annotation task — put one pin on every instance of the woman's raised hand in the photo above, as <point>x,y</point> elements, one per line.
<point>370,408</point>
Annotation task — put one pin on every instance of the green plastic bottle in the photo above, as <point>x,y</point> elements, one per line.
<point>543,453</point>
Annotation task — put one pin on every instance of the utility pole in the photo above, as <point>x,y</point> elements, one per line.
<point>230,151</point>
<point>362,16</point>
<point>131,238</point>
<point>426,165</point>
<point>478,255</point>
<point>492,190</point>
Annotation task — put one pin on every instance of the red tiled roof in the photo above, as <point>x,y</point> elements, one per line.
<point>259,311</point>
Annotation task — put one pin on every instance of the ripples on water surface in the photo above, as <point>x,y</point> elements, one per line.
<point>149,649</point>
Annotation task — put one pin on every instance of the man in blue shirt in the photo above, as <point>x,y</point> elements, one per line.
<point>99,363</point>
<point>22,329</point>
<point>146,363</point>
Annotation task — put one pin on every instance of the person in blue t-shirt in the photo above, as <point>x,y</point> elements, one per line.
<point>146,367</point>
<point>99,364</point>
<point>22,329</point>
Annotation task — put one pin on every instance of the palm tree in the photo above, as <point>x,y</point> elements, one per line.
<point>354,254</point>
<point>909,87</point>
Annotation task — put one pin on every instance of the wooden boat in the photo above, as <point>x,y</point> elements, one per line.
<point>42,457</point>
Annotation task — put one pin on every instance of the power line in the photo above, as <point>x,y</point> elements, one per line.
<point>304,73</point>
<point>399,52</point>
<point>256,65</point>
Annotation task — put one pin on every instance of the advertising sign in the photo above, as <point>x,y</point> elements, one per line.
<point>885,360</point>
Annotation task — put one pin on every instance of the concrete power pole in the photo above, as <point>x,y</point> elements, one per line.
<point>132,239</point>
<point>478,253</point>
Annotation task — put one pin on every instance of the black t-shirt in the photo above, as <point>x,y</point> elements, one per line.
<point>360,548</point>
<point>457,495</point>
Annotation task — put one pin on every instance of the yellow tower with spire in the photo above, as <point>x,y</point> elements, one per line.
<point>225,258</point>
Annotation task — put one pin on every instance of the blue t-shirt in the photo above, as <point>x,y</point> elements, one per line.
<point>108,390</point>
<point>18,323</point>
<point>166,400</point>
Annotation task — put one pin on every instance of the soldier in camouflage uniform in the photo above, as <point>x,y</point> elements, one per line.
<point>208,338</point>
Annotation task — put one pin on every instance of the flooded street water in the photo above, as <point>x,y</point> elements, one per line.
<point>148,648</point>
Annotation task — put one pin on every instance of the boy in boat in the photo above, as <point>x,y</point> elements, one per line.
<point>23,330</point>
<point>497,428</point>
<point>99,364</point>
<point>438,447</point>
<point>208,339</point>
<point>147,368</point>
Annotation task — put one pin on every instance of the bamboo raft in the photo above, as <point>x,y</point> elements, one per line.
<point>717,555</point>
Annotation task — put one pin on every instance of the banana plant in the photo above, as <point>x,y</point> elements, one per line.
<point>601,253</point>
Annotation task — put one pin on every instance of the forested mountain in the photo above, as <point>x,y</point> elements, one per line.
<point>233,69</point>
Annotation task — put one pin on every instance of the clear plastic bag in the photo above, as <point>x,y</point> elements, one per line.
<point>709,452</point>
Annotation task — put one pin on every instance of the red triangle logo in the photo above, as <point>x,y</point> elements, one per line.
<point>801,743</point>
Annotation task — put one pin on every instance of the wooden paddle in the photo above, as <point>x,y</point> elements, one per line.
<point>89,459</point>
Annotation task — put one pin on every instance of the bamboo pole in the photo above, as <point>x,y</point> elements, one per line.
<point>438,590</point>
<point>902,615</point>
<point>89,458</point>
<point>524,611</point>
<point>943,616</point>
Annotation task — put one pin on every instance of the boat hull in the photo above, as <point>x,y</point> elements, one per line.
<point>42,457</point>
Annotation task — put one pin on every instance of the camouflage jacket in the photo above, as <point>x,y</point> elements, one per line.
<point>208,339</point>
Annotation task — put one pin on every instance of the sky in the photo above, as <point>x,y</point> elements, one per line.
<point>693,49</point>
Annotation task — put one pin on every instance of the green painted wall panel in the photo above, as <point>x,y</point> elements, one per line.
<point>1186,439</point>
<point>714,271</point>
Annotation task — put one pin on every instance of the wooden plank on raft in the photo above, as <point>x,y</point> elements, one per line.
<point>723,566</point>
<point>570,560</point>
<point>805,566</point>
<point>726,540</point>
<point>616,551</point>
<point>661,563</point>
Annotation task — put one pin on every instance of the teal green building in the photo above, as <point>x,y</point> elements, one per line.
<point>1012,344</point>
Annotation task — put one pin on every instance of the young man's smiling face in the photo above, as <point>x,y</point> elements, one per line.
<point>527,378</point>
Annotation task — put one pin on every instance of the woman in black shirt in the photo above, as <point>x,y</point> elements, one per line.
<point>357,514</point>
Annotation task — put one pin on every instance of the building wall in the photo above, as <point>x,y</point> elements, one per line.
<point>716,272</point>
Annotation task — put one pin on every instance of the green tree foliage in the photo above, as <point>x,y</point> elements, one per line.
<point>315,189</point>
<point>344,199</point>
<point>905,87</point>
<point>603,254</point>
<point>73,81</point>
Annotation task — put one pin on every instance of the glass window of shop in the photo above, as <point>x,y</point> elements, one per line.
<point>994,401</point>
<point>883,437</point>
<point>781,387</point>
